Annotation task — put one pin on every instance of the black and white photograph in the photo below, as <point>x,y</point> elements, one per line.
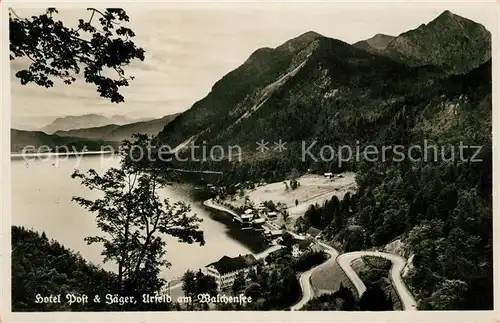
<point>253,156</point>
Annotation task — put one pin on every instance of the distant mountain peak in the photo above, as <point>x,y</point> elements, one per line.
<point>379,35</point>
<point>300,42</point>
<point>375,44</point>
<point>309,34</point>
<point>447,14</point>
<point>70,122</point>
<point>451,42</point>
<point>449,18</point>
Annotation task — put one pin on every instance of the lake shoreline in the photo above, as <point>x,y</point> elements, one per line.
<point>42,194</point>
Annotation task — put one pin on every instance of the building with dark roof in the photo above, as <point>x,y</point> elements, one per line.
<point>313,232</point>
<point>226,269</point>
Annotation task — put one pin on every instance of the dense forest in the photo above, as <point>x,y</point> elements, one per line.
<point>441,207</point>
<point>43,266</point>
<point>442,210</point>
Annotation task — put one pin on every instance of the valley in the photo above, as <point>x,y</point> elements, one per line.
<point>308,221</point>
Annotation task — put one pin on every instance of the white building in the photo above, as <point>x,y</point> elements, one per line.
<point>227,269</point>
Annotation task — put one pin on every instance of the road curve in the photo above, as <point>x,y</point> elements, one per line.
<point>398,264</point>
<point>268,251</point>
<point>345,260</point>
<point>211,204</point>
<point>305,278</point>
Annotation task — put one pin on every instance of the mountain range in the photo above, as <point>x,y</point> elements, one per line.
<point>451,42</point>
<point>85,121</point>
<point>22,139</point>
<point>428,86</point>
<point>93,138</point>
<point>118,133</point>
<point>311,87</point>
<point>314,87</point>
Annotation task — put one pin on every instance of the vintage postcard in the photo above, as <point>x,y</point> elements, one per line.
<point>248,161</point>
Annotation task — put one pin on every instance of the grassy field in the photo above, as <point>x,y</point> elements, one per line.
<point>313,189</point>
<point>327,279</point>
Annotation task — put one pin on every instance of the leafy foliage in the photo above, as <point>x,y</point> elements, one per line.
<point>239,283</point>
<point>374,299</point>
<point>97,46</point>
<point>133,218</point>
<point>272,288</point>
<point>308,260</point>
<point>45,267</point>
<point>194,284</point>
<point>342,300</point>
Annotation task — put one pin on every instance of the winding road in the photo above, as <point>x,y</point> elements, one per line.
<point>344,260</point>
<point>305,278</point>
<point>211,204</point>
<point>398,264</point>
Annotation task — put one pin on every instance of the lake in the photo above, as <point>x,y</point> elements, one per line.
<point>41,200</point>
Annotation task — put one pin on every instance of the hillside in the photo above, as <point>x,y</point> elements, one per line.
<point>316,88</point>
<point>453,43</point>
<point>40,264</point>
<point>304,94</point>
<point>321,91</point>
<point>118,133</point>
<point>231,96</point>
<point>84,121</point>
<point>19,139</point>
<point>440,209</point>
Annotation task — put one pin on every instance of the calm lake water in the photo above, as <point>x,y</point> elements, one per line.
<point>41,200</point>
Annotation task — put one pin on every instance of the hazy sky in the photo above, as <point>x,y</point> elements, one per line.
<point>189,49</point>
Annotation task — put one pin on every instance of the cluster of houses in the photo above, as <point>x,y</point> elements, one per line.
<point>257,220</point>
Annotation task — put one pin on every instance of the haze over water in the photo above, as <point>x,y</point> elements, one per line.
<point>41,200</point>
